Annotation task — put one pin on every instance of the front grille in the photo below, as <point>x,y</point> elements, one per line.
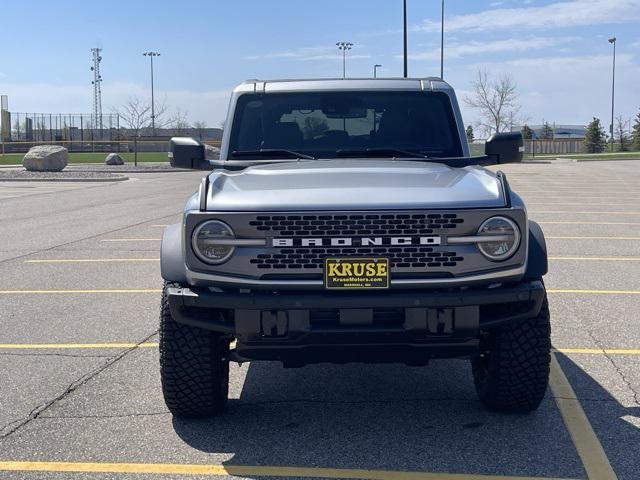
<point>361,224</point>
<point>399,257</point>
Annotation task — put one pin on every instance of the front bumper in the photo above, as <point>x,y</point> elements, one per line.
<point>404,326</point>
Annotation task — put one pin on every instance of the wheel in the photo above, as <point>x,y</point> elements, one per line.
<point>511,373</point>
<point>194,367</point>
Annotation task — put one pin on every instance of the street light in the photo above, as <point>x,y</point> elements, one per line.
<point>375,70</point>
<point>612,40</point>
<point>344,46</point>
<point>404,12</point>
<point>442,41</point>
<point>152,54</point>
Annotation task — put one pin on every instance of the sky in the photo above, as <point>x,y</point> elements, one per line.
<point>556,51</point>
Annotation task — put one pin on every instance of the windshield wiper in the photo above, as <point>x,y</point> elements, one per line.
<point>375,152</point>
<point>271,152</point>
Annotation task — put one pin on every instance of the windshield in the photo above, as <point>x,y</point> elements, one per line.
<point>333,124</point>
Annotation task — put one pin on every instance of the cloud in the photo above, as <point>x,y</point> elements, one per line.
<point>210,106</point>
<point>554,15</point>
<point>475,47</point>
<point>308,53</point>
<point>561,89</point>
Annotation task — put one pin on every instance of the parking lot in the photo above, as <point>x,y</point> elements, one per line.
<point>79,382</point>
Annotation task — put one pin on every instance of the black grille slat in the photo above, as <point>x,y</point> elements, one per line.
<point>425,258</point>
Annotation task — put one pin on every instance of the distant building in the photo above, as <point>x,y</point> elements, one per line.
<point>560,131</point>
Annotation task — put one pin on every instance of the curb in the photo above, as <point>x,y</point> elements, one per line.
<point>70,179</point>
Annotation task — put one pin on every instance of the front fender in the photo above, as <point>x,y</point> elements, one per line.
<point>172,266</point>
<point>537,263</point>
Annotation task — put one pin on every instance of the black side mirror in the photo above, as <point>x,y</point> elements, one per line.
<point>504,148</point>
<point>185,152</point>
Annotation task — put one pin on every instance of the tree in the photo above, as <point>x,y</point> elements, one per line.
<point>135,115</point>
<point>469,132</point>
<point>595,137</point>
<point>180,122</point>
<point>496,101</point>
<point>635,133</point>
<point>527,133</point>
<point>622,134</point>
<point>547,132</point>
<point>200,127</point>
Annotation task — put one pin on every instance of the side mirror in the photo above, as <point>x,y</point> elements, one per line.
<point>504,148</point>
<point>185,152</point>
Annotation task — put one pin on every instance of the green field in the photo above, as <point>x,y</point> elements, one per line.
<point>16,158</point>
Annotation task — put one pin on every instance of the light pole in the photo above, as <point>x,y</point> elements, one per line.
<point>344,46</point>
<point>152,54</point>
<point>404,12</point>
<point>612,40</point>
<point>442,41</point>
<point>375,70</point>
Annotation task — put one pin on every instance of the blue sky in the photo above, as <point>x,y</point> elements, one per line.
<point>557,51</point>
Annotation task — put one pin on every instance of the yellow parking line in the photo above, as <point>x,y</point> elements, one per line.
<point>594,459</point>
<point>38,292</point>
<point>246,470</point>
<point>588,223</point>
<point>160,226</point>
<point>590,238</point>
<point>92,260</point>
<point>538,212</point>
<point>604,259</point>
<point>595,292</point>
<point>131,240</point>
<point>71,346</point>
<point>601,351</point>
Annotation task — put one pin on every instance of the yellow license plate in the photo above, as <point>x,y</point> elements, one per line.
<point>357,272</point>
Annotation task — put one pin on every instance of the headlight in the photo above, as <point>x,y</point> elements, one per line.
<point>504,237</point>
<point>209,242</point>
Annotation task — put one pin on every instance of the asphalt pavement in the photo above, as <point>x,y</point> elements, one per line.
<point>79,383</point>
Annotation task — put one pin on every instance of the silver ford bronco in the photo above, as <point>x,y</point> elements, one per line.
<point>346,221</point>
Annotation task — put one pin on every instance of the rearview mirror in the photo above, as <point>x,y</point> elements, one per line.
<point>185,152</point>
<point>504,148</point>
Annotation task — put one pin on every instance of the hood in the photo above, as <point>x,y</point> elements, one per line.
<point>346,184</point>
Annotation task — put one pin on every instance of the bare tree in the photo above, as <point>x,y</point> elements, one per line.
<point>496,100</point>
<point>623,134</point>
<point>200,127</point>
<point>135,115</point>
<point>181,122</point>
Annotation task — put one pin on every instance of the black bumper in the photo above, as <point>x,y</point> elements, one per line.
<point>409,327</point>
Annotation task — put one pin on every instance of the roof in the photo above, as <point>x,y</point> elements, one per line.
<point>341,84</point>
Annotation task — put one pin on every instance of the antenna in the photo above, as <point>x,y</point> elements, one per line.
<point>97,91</point>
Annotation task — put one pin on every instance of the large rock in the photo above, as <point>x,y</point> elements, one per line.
<point>46,158</point>
<point>211,152</point>
<point>114,159</point>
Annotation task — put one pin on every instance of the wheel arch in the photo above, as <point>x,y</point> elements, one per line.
<point>172,264</point>
<point>537,262</point>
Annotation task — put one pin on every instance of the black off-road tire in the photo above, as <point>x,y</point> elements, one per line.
<point>194,367</point>
<point>512,373</point>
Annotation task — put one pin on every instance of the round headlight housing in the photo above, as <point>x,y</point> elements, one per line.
<point>209,242</point>
<point>503,237</point>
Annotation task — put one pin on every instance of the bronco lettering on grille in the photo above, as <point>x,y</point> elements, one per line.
<point>353,241</point>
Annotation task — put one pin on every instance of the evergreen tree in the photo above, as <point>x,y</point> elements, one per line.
<point>470,135</point>
<point>547,132</point>
<point>635,133</point>
<point>595,137</point>
<point>527,133</point>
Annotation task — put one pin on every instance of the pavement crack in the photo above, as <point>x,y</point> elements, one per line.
<point>15,425</point>
<point>71,242</point>
<point>616,367</point>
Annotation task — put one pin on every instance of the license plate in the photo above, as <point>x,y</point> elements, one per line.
<point>357,272</point>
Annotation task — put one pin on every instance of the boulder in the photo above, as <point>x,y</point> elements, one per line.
<point>46,158</point>
<point>211,152</point>
<point>114,159</point>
